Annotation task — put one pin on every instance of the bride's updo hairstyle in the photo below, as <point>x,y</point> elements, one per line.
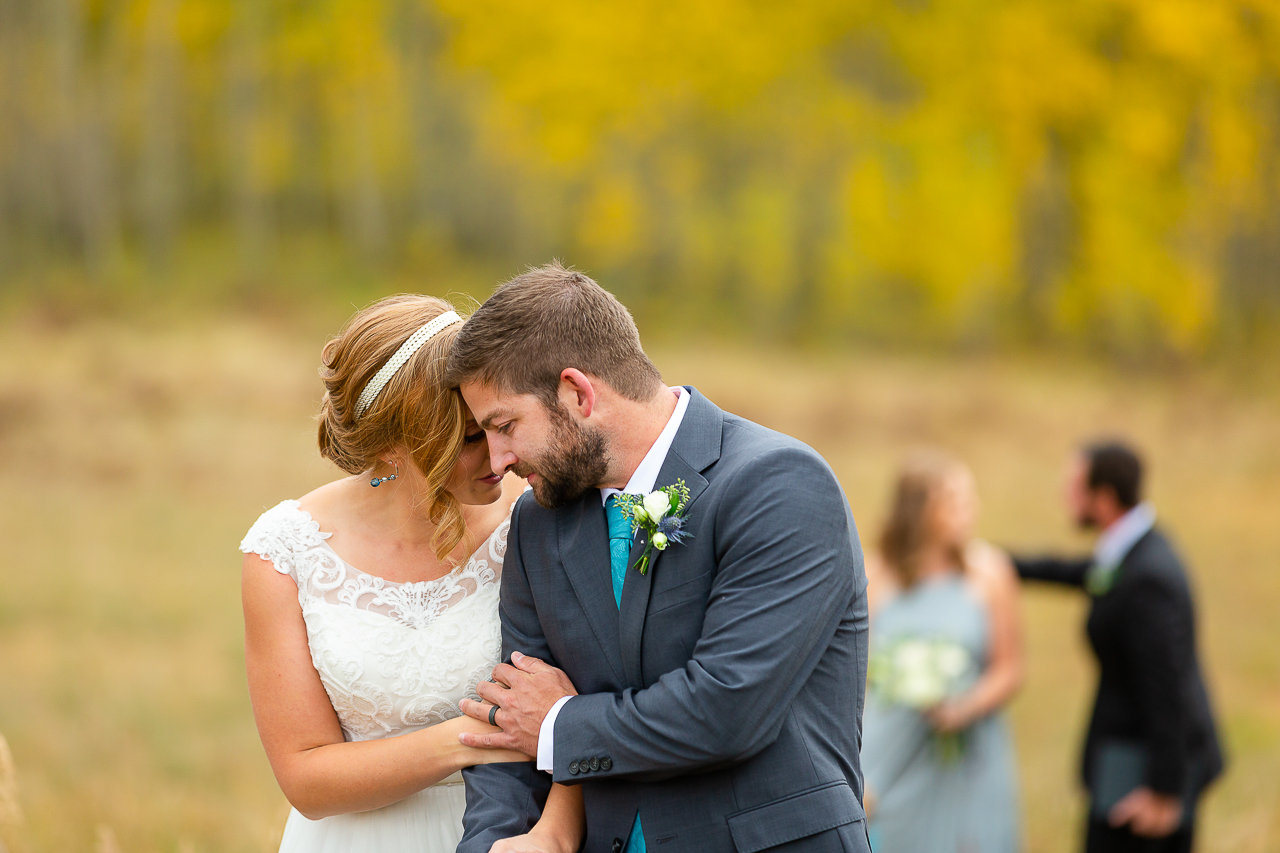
<point>911,527</point>
<point>415,410</point>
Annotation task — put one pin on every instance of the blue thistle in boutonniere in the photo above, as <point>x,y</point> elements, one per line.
<point>661,515</point>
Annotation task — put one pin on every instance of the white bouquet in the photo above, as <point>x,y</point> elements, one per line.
<point>915,672</point>
<point>919,673</point>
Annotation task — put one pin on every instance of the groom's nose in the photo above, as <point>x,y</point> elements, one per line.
<point>501,459</point>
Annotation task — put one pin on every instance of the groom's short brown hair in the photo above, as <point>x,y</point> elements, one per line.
<point>544,321</point>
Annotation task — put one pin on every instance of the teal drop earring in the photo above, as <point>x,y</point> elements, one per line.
<point>378,481</point>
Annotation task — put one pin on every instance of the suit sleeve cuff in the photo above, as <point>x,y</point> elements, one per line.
<point>547,737</point>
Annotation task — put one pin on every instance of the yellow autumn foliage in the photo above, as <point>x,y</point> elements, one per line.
<point>1103,171</point>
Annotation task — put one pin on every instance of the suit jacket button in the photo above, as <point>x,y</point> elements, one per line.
<point>617,845</point>
<point>595,764</point>
<point>573,768</point>
<point>606,763</point>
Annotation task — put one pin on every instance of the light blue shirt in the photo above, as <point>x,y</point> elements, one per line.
<point>1118,540</point>
<point>1114,545</point>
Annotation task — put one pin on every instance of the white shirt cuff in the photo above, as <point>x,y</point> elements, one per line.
<point>547,737</point>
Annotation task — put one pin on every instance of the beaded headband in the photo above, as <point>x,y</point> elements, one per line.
<point>406,351</point>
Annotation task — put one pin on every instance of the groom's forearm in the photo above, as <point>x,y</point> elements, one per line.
<point>689,722</point>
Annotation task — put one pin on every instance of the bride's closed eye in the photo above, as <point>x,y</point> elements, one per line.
<point>474,437</point>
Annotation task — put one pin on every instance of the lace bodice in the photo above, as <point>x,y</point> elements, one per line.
<point>393,657</point>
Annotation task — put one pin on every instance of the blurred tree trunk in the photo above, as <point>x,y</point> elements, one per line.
<point>363,207</point>
<point>460,202</point>
<point>1251,255</point>
<point>244,75</point>
<point>419,42</point>
<point>441,157</point>
<point>11,136</point>
<point>1047,240</point>
<point>36,212</point>
<point>84,158</point>
<point>158,178</point>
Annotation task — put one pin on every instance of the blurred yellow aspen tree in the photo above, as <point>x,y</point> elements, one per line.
<point>954,171</point>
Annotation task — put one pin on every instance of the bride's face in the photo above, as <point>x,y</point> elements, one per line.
<point>473,481</point>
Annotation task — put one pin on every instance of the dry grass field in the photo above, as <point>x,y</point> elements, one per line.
<point>132,460</point>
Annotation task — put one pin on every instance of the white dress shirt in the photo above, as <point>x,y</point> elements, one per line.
<point>1118,540</point>
<point>641,483</point>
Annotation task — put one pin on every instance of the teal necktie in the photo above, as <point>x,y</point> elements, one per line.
<point>619,544</point>
<point>620,537</point>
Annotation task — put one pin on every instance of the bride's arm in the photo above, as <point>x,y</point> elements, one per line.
<point>560,829</point>
<point>318,771</point>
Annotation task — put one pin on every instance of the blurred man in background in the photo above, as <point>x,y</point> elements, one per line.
<point>1152,746</point>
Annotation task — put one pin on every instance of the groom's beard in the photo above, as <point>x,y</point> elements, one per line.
<point>577,464</point>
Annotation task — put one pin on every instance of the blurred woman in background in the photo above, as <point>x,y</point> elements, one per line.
<point>371,604</point>
<point>946,656</point>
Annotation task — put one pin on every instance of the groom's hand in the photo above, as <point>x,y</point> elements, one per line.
<point>523,692</point>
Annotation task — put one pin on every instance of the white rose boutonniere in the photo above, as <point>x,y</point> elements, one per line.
<point>661,515</point>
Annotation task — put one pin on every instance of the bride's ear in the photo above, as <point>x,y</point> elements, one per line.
<point>577,393</point>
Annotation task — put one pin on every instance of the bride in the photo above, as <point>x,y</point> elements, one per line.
<point>370,604</point>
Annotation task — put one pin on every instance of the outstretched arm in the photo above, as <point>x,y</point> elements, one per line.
<point>1069,571</point>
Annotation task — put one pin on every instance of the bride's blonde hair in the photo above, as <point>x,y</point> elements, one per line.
<point>416,410</point>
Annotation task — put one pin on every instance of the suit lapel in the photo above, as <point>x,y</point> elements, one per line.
<point>696,446</point>
<point>584,552</point>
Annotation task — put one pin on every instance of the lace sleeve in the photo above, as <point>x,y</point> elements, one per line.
<point>281,535</point>
<point>497,546</point>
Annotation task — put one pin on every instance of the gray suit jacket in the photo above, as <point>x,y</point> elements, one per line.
<point>724,699</point>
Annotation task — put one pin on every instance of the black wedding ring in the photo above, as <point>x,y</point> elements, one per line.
<point>493,714</point>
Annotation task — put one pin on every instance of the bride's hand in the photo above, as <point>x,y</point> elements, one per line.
<point>531,843</point>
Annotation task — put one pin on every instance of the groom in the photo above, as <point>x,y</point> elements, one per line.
<point>713,701</point>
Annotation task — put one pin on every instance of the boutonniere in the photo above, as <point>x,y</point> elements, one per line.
<point>660,514</point>
<point>1100,579</point>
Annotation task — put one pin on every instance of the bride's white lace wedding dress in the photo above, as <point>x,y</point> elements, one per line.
<point>394,658</point>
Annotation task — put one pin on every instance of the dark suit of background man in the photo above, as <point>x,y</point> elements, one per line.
<point>1152,726</point>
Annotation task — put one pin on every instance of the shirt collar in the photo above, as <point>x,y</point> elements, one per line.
<point>1117,540</point>
<point>646,473</point>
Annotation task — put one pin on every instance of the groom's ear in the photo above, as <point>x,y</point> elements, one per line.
<point>577,393</point>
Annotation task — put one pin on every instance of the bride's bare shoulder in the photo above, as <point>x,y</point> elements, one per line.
<point>324,504</point>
